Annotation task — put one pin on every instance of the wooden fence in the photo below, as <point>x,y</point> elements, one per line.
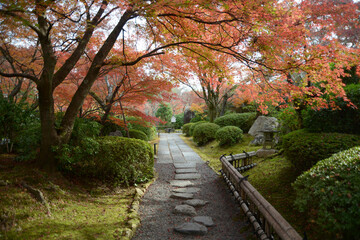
<point>266,220</point>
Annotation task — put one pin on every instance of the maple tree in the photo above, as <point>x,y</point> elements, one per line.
<point>268,37</point>
<point>210,77</point>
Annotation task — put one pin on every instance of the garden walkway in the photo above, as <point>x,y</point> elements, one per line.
<point>187,190</point>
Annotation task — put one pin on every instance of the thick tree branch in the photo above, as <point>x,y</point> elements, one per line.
<point>69,64</point>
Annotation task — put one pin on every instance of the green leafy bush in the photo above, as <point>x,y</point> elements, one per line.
<point>143,126</point>
<point>137,134</point>
<point>204,133</point>
<point>117,160</point>
<point>304,149</point>
<point>192,127</point>
<point>242,120</point>
<point>330,193</point>
<point>110,126</point>
<point>84,128</point>
<point>344,120</point>
<point>82,143</point>
<point>199,117</point>
<point>179,121</point>
<point>289,120</point>
<point>229,135</point>
<point>15,120</point>
<point>186,129</point>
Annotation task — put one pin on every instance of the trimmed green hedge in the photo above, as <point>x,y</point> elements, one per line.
<point>330,193</point>
<point>242,120</point>
<point>117,160</point>
<point>186,129</point>
<point>229,135</point>
<point>138,134</point>
<point>204,133</point>
<point>192,127</point>
<point>304,149</point>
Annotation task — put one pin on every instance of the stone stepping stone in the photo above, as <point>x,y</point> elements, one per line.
<point>196,202</point>
<point>204,220</point>
<point>182,195</point>
<point>185,165</point>
<point>186,190</point>
<point>187,176</point>
<point>180,183</point>
<point>185,210</point>
<point>186,170</point>
<point>191,229</point>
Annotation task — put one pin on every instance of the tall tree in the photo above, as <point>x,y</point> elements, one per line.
<point>259,34</point>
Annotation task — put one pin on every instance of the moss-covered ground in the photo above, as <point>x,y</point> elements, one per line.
<point>272,177</point>
<point>79,209</point>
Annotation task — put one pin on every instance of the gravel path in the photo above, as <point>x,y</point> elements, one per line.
<point>156,210</point>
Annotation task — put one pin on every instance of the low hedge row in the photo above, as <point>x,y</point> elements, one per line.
<point>330,193</point>
<point>117,160</point>
<point>304,149</point>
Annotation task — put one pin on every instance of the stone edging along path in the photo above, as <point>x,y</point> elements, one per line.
<point>188,200</point>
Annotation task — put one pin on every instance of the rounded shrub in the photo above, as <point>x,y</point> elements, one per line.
<point>186,129</point>
<point>118,160</point>
<point>137,134</point>
<point>229,135</point>
<point>192,127</point>
<point>304,149</point>
<point>242,120</point>
<point>204,133</point>
<point>330,193</point>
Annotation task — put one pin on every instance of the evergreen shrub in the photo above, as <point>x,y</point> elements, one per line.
<point>137,134</point>
<point>330,193</point>
<point>204,133</point>
<point>143,126</point>
<point>192,127</point>
<point>304,149</point>
<point>186,129</point>
<point>229,135</point>
<point>242,120</point>
<point>344,120</point>
<point>117,160</point>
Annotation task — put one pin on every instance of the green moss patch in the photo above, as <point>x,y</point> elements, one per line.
<point>78,211</point>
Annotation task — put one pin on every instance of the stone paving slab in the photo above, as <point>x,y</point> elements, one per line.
<point>180,183</point>
<point>182,195</point>
<point>204,220</point>
<point>185,165</point>
<point>185,210</point>
<point>196,202</point>
<point>186,170</point>
<point>187,176</point>
<point>191,229</point>
<point>186,190</point>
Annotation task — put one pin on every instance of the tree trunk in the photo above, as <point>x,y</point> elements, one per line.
<point>212,112</point>
<point>224,104</point>
<point>49,136</point>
